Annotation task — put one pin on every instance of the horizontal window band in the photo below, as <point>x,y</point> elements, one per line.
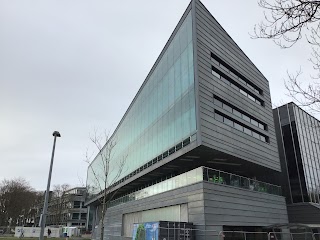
<point>239,126</point>
<point>217,73</point>
<point>239,113</point>
<point>231,70</point>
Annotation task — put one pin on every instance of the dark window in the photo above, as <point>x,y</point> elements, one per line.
<point>243,93</point>
<point>261,126</point>
<point>226,81</point>
<point>228,122</point>
<point>215,74</point>
<point>224,68</point>
<point>242,81</point>
<point>251,98</point>
<point>237,113</point>
<point>215,61</point>
<point>254,122</point>
<point>256,135</point>
<point>76,204</point>
<point>218,117</point>
<point>247,130</point>
<point>246,118</point>
<point>235,87</point>
<point>238,126</point>
<point>217,102</point>
<point>227,108</point>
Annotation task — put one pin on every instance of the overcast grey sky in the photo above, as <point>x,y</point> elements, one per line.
<point>59,70</point>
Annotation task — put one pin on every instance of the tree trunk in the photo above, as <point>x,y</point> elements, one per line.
<point>102,220</point>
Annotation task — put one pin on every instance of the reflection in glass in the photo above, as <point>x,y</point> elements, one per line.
<point>162,113</point>
<point>198,175</point>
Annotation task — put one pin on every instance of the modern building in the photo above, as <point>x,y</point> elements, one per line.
<point>198,139</point>
<point>298,135</point>
<point>66,209</point>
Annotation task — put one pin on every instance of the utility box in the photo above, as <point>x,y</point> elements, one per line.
<point>163,230</point>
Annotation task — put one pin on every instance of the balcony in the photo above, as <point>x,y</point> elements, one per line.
<point>198,175</point>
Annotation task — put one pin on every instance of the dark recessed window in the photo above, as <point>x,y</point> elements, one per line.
<point>227,108</point>
<point>226,81</point>
<point>263,138</point>
<point>243,93</point>
<point>214,73</point>
<point>261,126</point>
<point>228,122</point>
<point>246,118</point>
<point>235,87</point>
<point>224,68</point>
<point>254,122</point>
<point>247,131</point>
<point>238,126</point>
<point>217,102</point>
<point>256,135</point>
<point>218,117</point>
<point>237,113</point>
<point>215,61</point>
<point>251,98</point>
<point>242,81</point>
<point>234,74</point>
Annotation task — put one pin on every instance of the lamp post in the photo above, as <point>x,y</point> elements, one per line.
<point>46,199</point>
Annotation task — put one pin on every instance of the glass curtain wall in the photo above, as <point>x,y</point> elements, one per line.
<point>161,115</point>
<point>301,141</point>
<point>308,133</point>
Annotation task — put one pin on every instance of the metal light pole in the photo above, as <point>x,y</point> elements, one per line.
<point>45,206</point>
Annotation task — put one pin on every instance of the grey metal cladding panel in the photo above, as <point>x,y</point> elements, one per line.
<point>222,131</point>
<point>208,27</point>
<point>206,75</point>
<point>204,66</point>
<point>222,144</point>
<point>192,195</point>
<point>210,86</point>
<point>265,154</point>
<point>236,99</point>
<point>214,133</point>
<point>227,205</point>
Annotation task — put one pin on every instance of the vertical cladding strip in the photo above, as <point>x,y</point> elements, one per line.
<point>297,121</point>
<point>195,66</point>
<point>295,152</point>
<point>284,153</point>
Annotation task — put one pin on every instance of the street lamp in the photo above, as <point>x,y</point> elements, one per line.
<point>45,206</point>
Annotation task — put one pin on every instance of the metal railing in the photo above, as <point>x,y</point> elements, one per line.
<point>198,175</point>
<point>221,177</point>
<point>186,233</point>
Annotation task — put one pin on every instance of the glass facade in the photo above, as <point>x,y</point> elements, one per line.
<point>308,132</point>
<point>300,134</point>
<point>161,115</point>
<point>198,175</point>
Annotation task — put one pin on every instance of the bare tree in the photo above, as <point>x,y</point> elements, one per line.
<point>58,203</point>
<point>12,208</point>
<point>107,174</point>
<point>286,22</point>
